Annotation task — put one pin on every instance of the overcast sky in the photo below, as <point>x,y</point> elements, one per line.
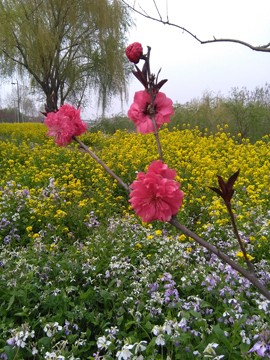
<point>192,68</point>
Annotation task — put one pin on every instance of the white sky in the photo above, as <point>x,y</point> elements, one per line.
<point>192,68</point>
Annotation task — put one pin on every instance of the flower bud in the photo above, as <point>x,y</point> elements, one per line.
<point>134,52</point>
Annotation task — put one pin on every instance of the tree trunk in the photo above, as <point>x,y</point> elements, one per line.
<point>51,101</point>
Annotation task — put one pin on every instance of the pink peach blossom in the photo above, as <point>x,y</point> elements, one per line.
<point>158,167</point>
<point>154,196</point>
<point>141,111</point>
<point>64,124</point>
<point>134,52</point>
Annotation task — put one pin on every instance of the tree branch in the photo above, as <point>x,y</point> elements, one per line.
<point>261,48</point>
<point>247,274</point>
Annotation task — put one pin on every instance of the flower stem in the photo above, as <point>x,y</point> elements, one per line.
<point>150,81</point>
<point>247,274</point>
<point>157,138</point>
<point>241,244</point>
<point>105,167</point>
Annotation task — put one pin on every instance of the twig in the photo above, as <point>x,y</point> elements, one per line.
<point>261,48</point>
<point>240,242</point>
<point>248,275</point>
<point>105,167</point>
<point>152,93</point>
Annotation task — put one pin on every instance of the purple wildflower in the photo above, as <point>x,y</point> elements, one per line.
<point>262,347</point>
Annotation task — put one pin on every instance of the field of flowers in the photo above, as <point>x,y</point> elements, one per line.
<point>81,277</point>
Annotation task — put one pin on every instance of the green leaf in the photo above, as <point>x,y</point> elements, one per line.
<point>44,341</point>
<point>9,351</point>
<point>129,324</point>
<point>244,348</point>
<point>11,301</point>
<point>195,314</point>
<point>221,336</point>
<point>21,314</point>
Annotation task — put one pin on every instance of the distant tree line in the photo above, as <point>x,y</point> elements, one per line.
<point>10,115</point>
<point>245,112</point>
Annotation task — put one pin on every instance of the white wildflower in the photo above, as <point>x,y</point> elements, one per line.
<point>103,343</point>
<point>160,340</point>
<point>157,330</point>
<point>124,353</point>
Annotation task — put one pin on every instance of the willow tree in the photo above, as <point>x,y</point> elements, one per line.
<point>65,47</point>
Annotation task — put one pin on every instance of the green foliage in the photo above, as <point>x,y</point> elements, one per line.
<point>8,115</point>
<point>247,113</point>
<point>111,125</point>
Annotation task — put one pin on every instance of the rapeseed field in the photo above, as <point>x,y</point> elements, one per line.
<point>67,221</point>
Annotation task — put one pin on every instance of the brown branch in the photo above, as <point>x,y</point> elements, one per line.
<point>105,167</point>
<point>240,242</point>
<point>261,48</point>
<point>160,17</point>
<point>247,274</point>
<point>11,57</point>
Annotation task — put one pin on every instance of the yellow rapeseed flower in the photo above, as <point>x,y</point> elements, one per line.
<point>241,255</point>
<point>60,214</point>
<point>83,203</point>
<point>182,237</point>
<point>197,158</point>
<point>53,246</point>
